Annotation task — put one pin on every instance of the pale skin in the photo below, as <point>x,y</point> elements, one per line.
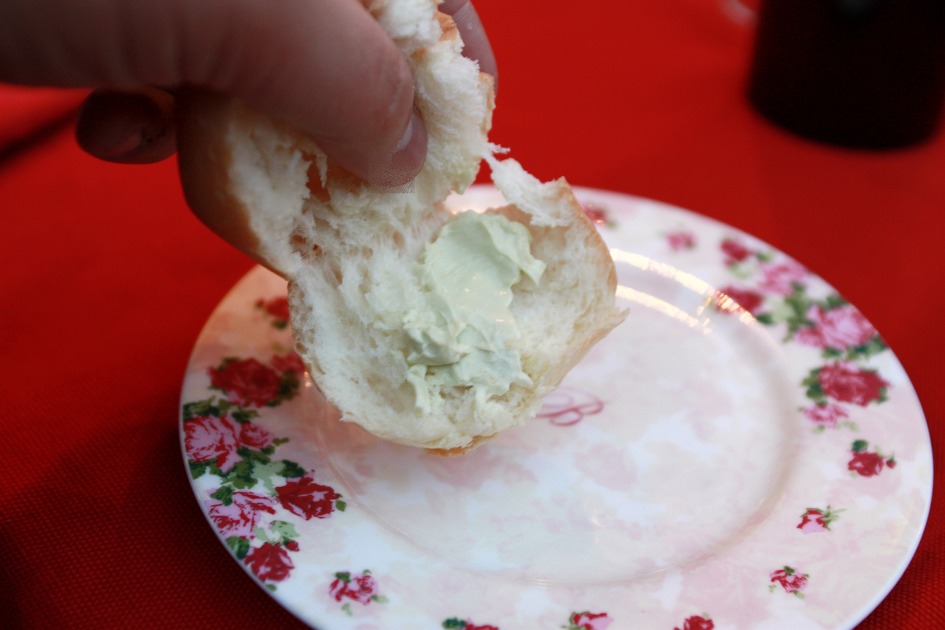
<point>324,66</point>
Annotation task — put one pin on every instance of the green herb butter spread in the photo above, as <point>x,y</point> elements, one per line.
<point>462,335</point>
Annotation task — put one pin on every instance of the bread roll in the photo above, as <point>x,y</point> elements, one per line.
<point>425,328</point>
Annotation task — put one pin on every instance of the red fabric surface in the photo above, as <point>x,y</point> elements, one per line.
<point>26,111</point>
<point>107,279</point>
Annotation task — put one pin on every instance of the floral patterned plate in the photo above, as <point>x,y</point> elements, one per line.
<point>743,452</point>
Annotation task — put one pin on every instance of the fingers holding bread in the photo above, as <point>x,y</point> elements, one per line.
<point>247,175</point>
<point>425,328</point>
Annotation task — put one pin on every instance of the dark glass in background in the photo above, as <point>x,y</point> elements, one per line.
<point>866,74</point>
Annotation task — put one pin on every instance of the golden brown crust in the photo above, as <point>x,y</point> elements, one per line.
<point>460,450</point>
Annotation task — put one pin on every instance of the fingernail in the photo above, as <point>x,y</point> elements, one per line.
<point>405,139</point>
<point>142,144</point>
<point>120,145</point>
<point>126,127</point>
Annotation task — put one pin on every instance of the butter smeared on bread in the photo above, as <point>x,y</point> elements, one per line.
<point>426,328</point>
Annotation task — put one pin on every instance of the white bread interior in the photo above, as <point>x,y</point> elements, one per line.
<point>350,250</point>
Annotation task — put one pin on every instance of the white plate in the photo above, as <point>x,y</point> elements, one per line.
<point>704,465</point>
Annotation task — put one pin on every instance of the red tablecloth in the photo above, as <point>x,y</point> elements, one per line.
<point>107,279</point>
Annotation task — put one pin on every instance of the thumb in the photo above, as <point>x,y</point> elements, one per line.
<point>323,66</point>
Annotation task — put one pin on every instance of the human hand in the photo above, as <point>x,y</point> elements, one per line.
<point>324,66</point>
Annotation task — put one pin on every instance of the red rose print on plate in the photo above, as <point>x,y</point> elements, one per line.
<point>269,562</point>
<point>815,520</point>
<point>303,497</point>
<point>277,309</point>
<point>291,363</point>
<point>241,514</point>
<point>845,381</point>
<point>455,623</point>
<point>252,383</point>
<point>255,489</point>
<point>790,580</point>
<point>598,214</point>
<point>588,621</point>
<point>782,278</point>
<point>734,299</point>
<point>347,588</point>
<point>866,463</point>
<point>735,251</point>
<point>697,622</point>
<point>826,415</point>
<point>680,240</point>
<point>247,382</point>
<point>210,438</point>
<point>836,328</point>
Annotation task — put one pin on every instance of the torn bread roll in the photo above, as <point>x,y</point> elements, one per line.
<point>426,328</point>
